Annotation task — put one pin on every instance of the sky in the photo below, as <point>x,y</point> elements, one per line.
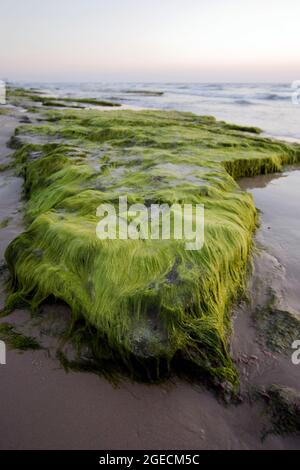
<point>150,40</point>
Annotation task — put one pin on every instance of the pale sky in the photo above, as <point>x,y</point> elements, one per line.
<point>150,40</point>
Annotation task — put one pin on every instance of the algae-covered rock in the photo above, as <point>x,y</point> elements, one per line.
<point>16,339</point>
<point>277,328</point>
<point>20,96</point>
<point>284,408</point>
<point>150,302</point>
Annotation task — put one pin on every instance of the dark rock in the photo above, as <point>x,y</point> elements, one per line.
<point>284,409</point>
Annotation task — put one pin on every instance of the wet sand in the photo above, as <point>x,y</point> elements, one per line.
<point>276,269</point>
<point>278,196</point>
<point>43,407</point>
<point>10,186</point>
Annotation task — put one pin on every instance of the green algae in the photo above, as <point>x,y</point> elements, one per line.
<point>4,166</point>
<point>93,101</point>
<point>251,129</point>
<point>17,340</point>
<point>59,104</point>
<point>4,222</point>
<point>145,92</point>
<point>149,304</point>
<point>284,409</point>
<point>277,328</point>
<point>76,102</point>
<point>16,95</point>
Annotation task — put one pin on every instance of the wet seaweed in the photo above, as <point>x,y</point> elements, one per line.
<point>146,302</point>
<point>17,94</point>
<point>283,408</point>
<point>17,340</point>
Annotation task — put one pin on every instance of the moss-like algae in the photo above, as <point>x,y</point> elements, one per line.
<point>4,166</point>
<point>4,222</point>
<point>145,92</point>
<point>17,340</point>
<point>149,303</point>
<point>16,95</point>
<point>284,409</point>
<point>277,328</point>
